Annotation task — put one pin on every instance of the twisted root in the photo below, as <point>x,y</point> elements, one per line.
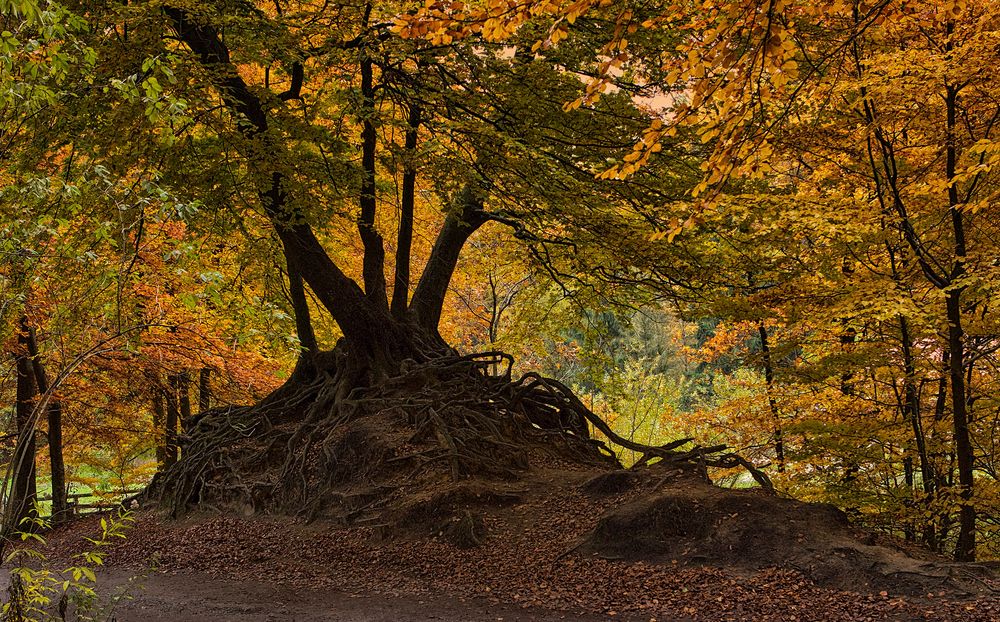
<point>327,442</point>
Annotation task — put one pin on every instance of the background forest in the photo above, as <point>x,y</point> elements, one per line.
<point>767,224</point>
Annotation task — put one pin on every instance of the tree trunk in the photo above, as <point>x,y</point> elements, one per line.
<point>23,493</point>
<point>947,281</point>
<point>204,389</point>
<point>160,429</point>
<point>941,399</point>
<point>965,548</point>
<point>909,531</point>
<point>182,389</point>
<point>404,238</point>
<point>374,258</point>
<point>911,412</point>
<point>376,342</point>
<point>367,325</point>
<point>60,502</point>
<point>170,436</point>
<point>305,366</point>
<point>779,446</point>
<point>847,343</point>
<point>465,217</point>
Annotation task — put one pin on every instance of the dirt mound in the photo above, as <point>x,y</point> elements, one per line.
<point>329,449</point>
<point>506,472</point>
<point>684,519</point>
<point>610,483</point>
<point>454,512</point>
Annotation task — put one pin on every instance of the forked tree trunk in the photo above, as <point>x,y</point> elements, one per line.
<point>376,342</point>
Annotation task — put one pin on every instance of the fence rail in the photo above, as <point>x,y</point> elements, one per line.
<point>106,501</point>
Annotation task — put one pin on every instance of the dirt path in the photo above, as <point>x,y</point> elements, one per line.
<point>198,597</point>
<point>275,569</point>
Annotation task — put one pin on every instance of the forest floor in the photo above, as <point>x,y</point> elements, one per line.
<point>192,596</point>
<point>560,546</point>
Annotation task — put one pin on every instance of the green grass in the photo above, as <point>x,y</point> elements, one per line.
<point>94,483</point>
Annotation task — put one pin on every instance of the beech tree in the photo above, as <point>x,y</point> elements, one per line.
<point>317,133</point>
<point>303,180</point>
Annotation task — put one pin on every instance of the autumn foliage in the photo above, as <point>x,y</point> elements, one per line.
<point>762,224</point>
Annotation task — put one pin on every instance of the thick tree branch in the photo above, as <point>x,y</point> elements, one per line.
<point>341,296</point>
<point>295,89</point>
<point>404,237</point>
<point>300,306</point>
<point>374,259</point>
<point>463,220</point>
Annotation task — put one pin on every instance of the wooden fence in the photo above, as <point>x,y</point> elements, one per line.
<point>103,501</point>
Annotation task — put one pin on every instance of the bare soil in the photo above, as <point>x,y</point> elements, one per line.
<point>189,596</point>
<point>659,544</point>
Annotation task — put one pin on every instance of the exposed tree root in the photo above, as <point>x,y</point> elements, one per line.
<point>329,447</point>
<point>567,402</point>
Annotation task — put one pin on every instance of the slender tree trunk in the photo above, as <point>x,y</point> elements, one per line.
<point>54,412</point>
<point>23,493</point>
<point>493,330</point>
<point>160,429</point>
<point>182,389</point>
<point>173,414</point>
<point>911,412</point>
<point>909,531</point>
<point>908,473</point>
<point>305,366</point>
<point>779,446</point>
<point>847,337</point>
<point>941,400</point>
<point>940,474</point>
<point>204,389</point>
<point>847,343</point>
<point>965,549</point>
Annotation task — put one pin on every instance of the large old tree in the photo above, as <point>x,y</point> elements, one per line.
<point>366,161</point>
<point>764,161</point>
